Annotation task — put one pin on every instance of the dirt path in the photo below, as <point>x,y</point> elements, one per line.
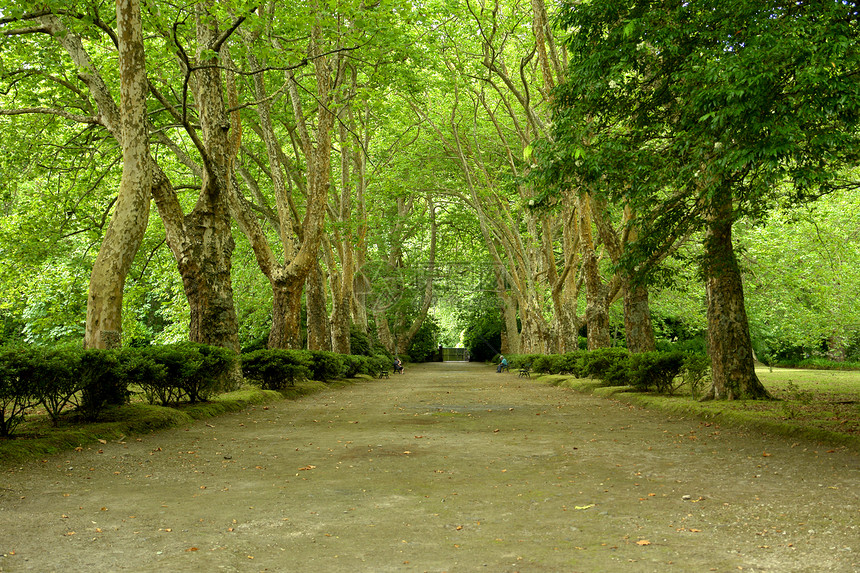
<point>449,468</point>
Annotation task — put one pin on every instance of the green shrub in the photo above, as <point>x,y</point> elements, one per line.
<point>572,363</point>
<point>15,395</point>
<point>543,364</point>
<point>326,366</point>
<point>212,371</point>
<point>140,369</point>
<point>275,369</point>
<point>193,371</point>
<point>519,360</point>
<point>379,362</point>
<point>609,365</point>
<point>656,369</point>
<point>354,365</point>
<point>360,342</point>
<point>54,376</point>
<point>103,383</point>
<point>697,368</point>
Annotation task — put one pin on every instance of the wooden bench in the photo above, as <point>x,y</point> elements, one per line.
<point>525,372</point>
<point>383,374</point>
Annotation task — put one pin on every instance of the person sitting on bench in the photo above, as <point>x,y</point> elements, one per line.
<point>398,366</point>
<point>503,365</point>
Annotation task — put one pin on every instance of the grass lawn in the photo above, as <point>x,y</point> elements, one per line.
<point>822,405</point>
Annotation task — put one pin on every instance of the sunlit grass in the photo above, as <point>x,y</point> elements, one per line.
<point>821,405</point>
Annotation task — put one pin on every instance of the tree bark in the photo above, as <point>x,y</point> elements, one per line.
<point>131,215</point>
<point>729,344</point>
<point>638,328</point>
<point>596,306</point>
<point>319,335</point>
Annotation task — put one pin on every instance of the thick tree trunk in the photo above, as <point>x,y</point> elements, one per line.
<point>729,344</point>
<point>131,215</point>
<point>201,243</point>
<point>207,262</point>
<point>383,332</point>
<point>637,318</point>
<point>319,336</point>
<point>286,314</point>
<point>596,307</point>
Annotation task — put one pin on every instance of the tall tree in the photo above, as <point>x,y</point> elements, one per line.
<point>693,112</point>
<point>131,215</point>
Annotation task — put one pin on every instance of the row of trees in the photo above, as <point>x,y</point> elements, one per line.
<point>346,167</point>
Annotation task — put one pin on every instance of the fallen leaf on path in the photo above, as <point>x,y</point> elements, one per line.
<point>307,468</point>
<point>589,506</point>
<point>643,542</point>
<point>191,549</point>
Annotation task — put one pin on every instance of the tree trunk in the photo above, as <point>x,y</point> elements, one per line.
<point>638,329</point>
<point>729,344</point>
<point>319,336</point>
<point>128,223</point>
<point>206,268</point>
<point>596,311</point>
<point>286,313</point>
<point>201,243</point>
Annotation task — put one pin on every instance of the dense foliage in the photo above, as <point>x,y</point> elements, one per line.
<point>496,177</point>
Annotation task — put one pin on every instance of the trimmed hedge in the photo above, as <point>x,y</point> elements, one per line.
<point>276,369</point>
<point>67,377</point>
<point>664,372</point>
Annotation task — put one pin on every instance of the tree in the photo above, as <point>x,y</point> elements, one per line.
<point>201,242</point>
<point>693,113</point>
<point>131,215</point>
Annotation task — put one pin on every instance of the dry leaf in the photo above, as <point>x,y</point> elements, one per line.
<point>643,542</point>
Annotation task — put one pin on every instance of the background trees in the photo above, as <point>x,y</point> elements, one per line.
<point>326,171</point>
<point>695,113</point>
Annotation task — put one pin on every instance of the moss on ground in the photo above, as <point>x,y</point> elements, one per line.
<point>822,406</point>
<point>37,438</point>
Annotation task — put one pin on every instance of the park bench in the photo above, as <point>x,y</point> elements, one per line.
<point>383,374</point>
<point>525,372</point>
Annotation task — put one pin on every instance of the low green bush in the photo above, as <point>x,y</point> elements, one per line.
<point>697,369</point>
<point>15,395</point>
<point>609,365</point>
<point>544,364</point>
<point>379,362</point>
<point>354,365</point>
<point>519,360</point>
<point>657,370</point>
<point>326,366</point>
<point>103,383</point>
<point>193,372</point>
<point>275,369</point>
<point>54,375</point>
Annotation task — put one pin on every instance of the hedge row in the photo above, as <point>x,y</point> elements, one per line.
<point>277,369</point>
<point>67,377</point>
<point>660,371</point>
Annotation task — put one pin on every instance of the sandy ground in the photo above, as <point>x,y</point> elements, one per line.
<point>448,468</point>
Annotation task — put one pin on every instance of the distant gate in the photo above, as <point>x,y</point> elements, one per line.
<point>453,355</point>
